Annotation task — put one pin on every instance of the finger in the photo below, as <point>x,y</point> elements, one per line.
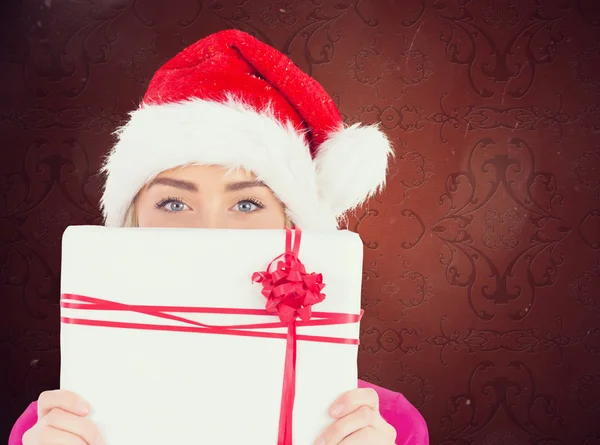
<point>366,435</point>
<point>79,426</point>
<point>352,400</point>
<point>360,418</point>
<point>47,435</point>
<point>65,400</point>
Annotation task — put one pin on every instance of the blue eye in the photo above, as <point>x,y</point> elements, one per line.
<point>248,206</point>
<point>172,205</point>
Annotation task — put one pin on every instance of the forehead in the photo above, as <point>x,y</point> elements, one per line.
<point>210,173</point>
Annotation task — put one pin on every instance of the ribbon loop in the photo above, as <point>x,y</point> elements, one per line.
<point>289,289</point>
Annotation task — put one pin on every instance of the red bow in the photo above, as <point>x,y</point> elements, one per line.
<point>289,290</point>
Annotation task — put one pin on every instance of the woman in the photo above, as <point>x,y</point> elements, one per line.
<point>231,134</point>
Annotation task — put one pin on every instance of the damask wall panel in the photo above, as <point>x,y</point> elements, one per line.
<point>482,265</point>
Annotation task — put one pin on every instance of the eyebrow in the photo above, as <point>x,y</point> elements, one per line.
<point>236,186</point>
<point>190,186</point>
<point>177,183</point>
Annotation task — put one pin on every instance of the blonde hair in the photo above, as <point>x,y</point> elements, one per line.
<point>131,219</point>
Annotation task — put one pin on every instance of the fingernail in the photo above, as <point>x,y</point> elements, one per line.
<point>337,410</point>
<point>83,409</point>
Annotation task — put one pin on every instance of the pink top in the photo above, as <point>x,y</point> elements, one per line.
<point>395,409</point>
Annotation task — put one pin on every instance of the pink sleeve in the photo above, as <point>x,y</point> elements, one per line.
<point>23,424</point>
<point>410,426</point>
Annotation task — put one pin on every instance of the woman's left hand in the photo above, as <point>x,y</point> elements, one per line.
<point>357,421</point>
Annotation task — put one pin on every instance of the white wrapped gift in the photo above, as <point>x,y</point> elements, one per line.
<point>164,332</point>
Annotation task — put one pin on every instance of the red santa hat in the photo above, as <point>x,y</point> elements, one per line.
<point>233,101</point>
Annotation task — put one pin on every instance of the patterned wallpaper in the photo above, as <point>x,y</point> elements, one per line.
<point>482,268</point>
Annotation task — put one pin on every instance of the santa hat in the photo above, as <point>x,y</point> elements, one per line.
<point>233,101</point>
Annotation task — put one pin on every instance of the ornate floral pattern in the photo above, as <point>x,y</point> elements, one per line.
<point>481,275</point>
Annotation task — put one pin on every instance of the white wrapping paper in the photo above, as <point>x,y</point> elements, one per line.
<point>156,387</point>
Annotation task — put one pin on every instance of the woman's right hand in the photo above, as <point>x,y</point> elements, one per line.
<point>62,420</point>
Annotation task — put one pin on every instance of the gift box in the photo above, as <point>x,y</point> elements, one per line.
<point>209,336</point>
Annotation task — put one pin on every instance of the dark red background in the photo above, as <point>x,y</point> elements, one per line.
<point>482,271</point>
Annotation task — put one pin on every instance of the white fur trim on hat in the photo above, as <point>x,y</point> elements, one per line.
<point>351,166</point>
<point>229,134</point>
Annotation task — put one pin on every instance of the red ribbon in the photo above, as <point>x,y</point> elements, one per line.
<point>290,293</point>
